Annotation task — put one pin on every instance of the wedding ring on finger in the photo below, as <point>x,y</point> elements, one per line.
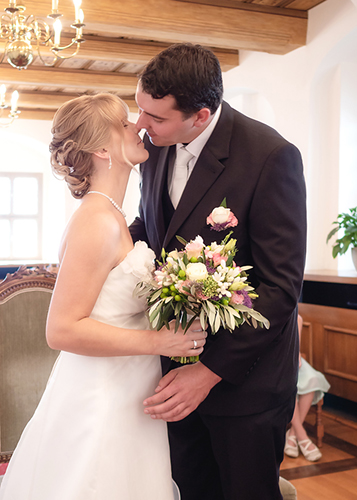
<point>195,344</point>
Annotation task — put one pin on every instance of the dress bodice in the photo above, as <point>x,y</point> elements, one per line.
<point>116,304</point>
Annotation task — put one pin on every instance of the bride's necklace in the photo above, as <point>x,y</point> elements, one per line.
<point>111,201</point>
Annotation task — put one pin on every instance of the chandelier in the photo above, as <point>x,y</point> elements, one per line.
<point>5,122</point>
<point>26,33</point>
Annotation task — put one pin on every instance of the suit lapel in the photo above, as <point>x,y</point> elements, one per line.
<point>160,178</point>
<point>205,173</point>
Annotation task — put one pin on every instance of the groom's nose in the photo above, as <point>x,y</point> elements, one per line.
<point>140,123</point>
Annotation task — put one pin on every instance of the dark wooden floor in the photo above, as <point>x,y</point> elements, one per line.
<point>334,476</point>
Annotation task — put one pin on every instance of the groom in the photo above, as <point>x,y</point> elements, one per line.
<point>227,414</point>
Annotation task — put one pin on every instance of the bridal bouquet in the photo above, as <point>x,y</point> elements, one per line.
<point>201,281</point>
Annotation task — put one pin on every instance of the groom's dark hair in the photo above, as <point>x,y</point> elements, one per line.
<point>190,73</point>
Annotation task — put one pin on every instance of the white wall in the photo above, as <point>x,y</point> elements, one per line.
<point>308,95</point>
<point>24,148</point>
<point>311,98</point>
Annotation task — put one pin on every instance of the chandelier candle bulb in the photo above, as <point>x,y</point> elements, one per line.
<point>54,6</point>
<point>81,19</point>
<point>14,99</point>
<point>57,25</point>
<point>77,4</point>
<point>2,95</point>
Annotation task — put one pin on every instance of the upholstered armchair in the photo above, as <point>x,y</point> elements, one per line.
<point>26,360</point>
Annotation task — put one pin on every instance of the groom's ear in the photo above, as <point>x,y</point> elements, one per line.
<point>201,117</point>
<point>102,153</point>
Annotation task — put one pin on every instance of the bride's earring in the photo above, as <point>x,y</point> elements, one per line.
<point>110,161</point>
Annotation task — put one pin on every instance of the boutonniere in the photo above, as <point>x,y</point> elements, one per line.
<point>222,217</point>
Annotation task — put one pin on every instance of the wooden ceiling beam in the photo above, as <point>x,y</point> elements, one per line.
<point>31,113</point>
<point>170,21</point>
<point>129,51</point>
<point>76,80</point>
<point>238,4</point>
<point>47,101</point>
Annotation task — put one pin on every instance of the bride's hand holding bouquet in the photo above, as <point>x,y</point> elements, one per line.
<point>180,342</point>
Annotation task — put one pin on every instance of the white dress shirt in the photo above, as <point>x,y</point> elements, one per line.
<point>194,147</point>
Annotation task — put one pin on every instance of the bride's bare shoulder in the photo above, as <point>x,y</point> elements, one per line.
<point>91,230</point>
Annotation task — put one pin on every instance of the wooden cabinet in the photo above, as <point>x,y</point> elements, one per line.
<point>329,336</point>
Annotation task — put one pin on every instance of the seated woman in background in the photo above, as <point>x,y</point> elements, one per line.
<point>311,387</point>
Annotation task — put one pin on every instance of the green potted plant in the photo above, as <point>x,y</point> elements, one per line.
<point>347,222</point>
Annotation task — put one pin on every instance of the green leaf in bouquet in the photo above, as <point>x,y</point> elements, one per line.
<point>185,259</point>
<point>177,323</point>
<point>157,304</point>
<point>190,323</point>
<point>211,318</point>
<point>230,260</point>
<point>242,308</point>
<point>184,319</point>
<point>203,255</point>
<point>156,295</point>
<point>224,241</point>
<point>203,319</point>
<point>229,318</point>
<point>182,264</point>
<point>217,322</point>
<point>166,315</point>
<point>178,307</point>
<point>260,318</point>
<point>155,323</point>
<point>154,314</point>
<point>224,203</point>
<point>210,307</point>
<point>181,240</point>
<point>245,268</point>
<point>163,254</point>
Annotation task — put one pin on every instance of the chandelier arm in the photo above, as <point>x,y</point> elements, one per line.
<point>56,50</point>
<point>49,65</point>
<point>5,125</point>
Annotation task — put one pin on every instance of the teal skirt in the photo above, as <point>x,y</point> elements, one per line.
<point>310,380</point>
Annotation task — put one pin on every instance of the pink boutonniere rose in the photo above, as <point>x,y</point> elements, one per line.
<point>221,218</point>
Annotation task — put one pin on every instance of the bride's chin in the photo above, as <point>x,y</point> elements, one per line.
<point>144,156</point>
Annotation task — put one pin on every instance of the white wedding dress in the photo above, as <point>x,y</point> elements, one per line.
<point>89,438</point>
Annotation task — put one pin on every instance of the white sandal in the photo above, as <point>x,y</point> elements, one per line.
<point>311,455</point>
<point>291,450</point>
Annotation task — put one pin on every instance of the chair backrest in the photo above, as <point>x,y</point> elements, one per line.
<point>25,358</point>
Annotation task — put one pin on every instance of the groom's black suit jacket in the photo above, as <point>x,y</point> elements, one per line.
<point>261,176</point>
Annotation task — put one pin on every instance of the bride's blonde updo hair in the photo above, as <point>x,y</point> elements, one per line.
<point>81,127</point>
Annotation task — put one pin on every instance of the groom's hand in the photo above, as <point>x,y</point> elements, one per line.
<point>180,392</point>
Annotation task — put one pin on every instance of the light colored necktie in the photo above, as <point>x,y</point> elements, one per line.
<point>180,175</point>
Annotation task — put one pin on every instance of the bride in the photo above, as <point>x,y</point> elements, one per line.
<point>89,438</point>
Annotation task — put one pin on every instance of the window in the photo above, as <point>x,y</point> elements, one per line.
<point>20,216</point>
